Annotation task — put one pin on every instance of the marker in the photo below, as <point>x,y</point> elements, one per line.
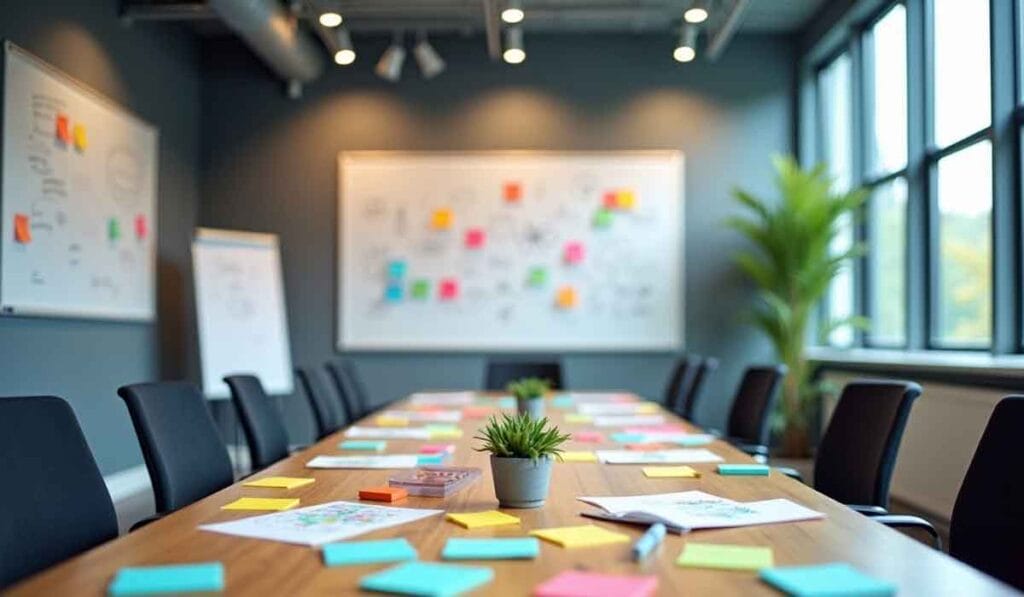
<point>651,539</point>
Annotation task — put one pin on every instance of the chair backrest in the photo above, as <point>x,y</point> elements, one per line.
<point>501,373</point>
<point>264,431</point>
<point>183,451</point>
<point>987,527</point>
<point>58,505</point>
<point>679,384</point>
<point>750,416</point>
<point>857,453</point>
<point>704,371</point>
<point>323,399</point>
<point>354,410</point>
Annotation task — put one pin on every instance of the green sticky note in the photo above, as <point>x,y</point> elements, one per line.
<point>420,290</point>
<point>352,553</point>
<point>826,579</point>
<point>725,557</point>
<point>744,470</point>
<point>538,276</point>
<point>603,218</point>
<point>366,445</point>
<point>515,548</point>
<point>427,579</point>
<point>181,578</point>
<point>113,229</point>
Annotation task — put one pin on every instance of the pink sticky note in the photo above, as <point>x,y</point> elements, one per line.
<point>574,252</point>
<point>573,583</point>
<point>610,200</point>
<point>477,412</point>
<point>437,449</point>
<point>475,238</point>
<point>141,227</point>
<point>588,436</point>
<point>449,289</point>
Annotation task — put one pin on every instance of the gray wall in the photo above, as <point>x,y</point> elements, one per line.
<point>269,165</point>
<point>153,70</point>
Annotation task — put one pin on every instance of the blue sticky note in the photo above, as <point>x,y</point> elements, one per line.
<point>515,548</point>
<point>628,438</point>
<point>430,459</point>
<point>180,578</point>
<point>368,445</point>
<point>826,579</point>
<point>744,470</point>
<point>368,552</point>
<point>427,579</point>
<point>396,269</point>
<point>693,441</point>
<point>507,402</point>
<point>565,402</point>
<point>393,293</point>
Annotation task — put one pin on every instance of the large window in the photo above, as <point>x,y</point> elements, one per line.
<point>887,256</point>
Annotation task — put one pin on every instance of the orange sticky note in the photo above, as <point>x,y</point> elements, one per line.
<point>22,231</point>
<point>567,298</point>
<point>63,131</point>
<point>512,192</point>
<point>141,227</point>
<point>383,494</point>
<point>442,219</point>
<point>81,139</point>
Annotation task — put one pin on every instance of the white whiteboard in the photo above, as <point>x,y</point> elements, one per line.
<point>79,199</point>
<point>416,226</point>
<point>243,327</point>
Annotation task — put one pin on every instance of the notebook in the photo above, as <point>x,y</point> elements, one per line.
<point>435,481</point>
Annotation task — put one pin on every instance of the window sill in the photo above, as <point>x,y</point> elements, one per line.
<point>993,369</point>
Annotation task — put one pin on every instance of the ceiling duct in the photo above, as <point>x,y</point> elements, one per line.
<point>273,34</point>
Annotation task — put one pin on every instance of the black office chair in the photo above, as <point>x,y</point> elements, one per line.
<point>679,381</point>
<point>501,373</point>
<point>987,526</point>
<point>749,426</point>
<point>184,454</point>
<point>324,401</point>
<point>355,409</point>
<point>57,504</point>
<point>264,432</point>
<point>705,369</point>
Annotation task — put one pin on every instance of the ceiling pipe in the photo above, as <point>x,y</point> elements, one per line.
<point>724,34</point>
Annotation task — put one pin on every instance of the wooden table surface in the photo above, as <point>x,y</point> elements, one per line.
<point>258,567</point>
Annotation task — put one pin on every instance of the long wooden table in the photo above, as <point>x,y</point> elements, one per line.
<point>257,567</point>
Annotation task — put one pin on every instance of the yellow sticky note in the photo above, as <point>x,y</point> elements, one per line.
<point>648,408</point>
<point>567,298</point>
<point>625,199</point>
<point>251,503</point>
<point>80,137</point>
<point>587,535</point>
<point>726,557</point>
<point>577,418</point>
<point>280,482</point>
<point>455,433</point>
<point>661,472</point>
<point>476,520</point>
<point>579,457</point>
<point>385,421</point>
<point>442,219</point>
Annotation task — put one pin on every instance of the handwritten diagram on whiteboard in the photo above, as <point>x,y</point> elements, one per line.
<point>79,199</point>
<point>510,251</point>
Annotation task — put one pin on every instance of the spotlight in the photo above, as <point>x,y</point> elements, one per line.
<point>513,12</point>
<point>686,50</point>
<point>344,51</point>
<point>430,62</point>
<point>330,19</point>
<point>697,13</point>
<point>390,65</point>
<point>514,52</point>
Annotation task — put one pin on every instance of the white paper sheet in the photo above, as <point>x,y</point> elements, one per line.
<point>616,408</point>
<point>443,398</point>
<point>429,416</point>
<point>388,432</point>
<point>657,457</point>
<point>385,461</point>
<point>320,524</point>
<point>628,420</point>
<point>582,397</point>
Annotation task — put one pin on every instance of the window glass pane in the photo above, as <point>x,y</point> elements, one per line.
<point>965,247</point>
<point>887,253</point>
<point>962,80</point>
<point>887,55</point>
<point>840,297</point>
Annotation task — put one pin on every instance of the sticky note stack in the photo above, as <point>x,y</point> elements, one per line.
<point>368,552</point>
<point>183,578</point>
<point>744,470</point>
<point>573,583</point>
<point>424,578</point>
<point>476,520</point>
<point>725,557</point>
<point>383,494</point>
<point>515,548</point>
<point>587,535</point>
<point>252,503</point>
<point>280,482</point>
<point>826,579</point>
<point>662,472</point>
<point>572,456</point>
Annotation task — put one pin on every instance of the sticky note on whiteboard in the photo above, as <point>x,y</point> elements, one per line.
<point>574,252</point>
<point>396,269</point>
<point>626,199</point>
<point>141,227</point>
<point>449,289</point>
<point>512,192</point>
<point>393,293</point>
<point>420,290</point>
<point>63,129</point>
<point>80,137</point>
<point>538,276</point>
<point>567,298</point>
<point>22,230</point>
<point>603,218</point>
<point>475,238</point>
<point>113,229</point>
<point>442,219</point>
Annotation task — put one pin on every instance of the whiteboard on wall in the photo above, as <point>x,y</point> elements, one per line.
<point>240,307</point>
<point>510,251</point>
<point>78,199</point>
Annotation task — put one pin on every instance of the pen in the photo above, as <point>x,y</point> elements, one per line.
<point>651,539</point>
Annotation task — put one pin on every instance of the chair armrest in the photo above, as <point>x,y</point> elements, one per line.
<point>149,519</point>
<point>903,521</point>
<point>868,510</point>
<point>792,473</point>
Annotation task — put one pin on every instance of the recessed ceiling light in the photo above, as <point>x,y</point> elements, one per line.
<point>513,12</point>
<point>698,13</point>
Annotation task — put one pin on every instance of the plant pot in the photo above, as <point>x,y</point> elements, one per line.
<point>521,482</point>
<point>531,406</point>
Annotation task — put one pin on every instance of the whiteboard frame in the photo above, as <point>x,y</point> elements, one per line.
<point>369,347</point>
<point>8,310</point>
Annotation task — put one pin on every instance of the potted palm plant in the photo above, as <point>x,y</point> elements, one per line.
<point>792,261</point>
<point>522,449</point>
<point>529,393</point>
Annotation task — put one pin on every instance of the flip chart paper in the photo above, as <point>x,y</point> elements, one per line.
<point>368,552</point>
<point>368,445</point>
<point>661,472</point>
<point>280,482</point>
<point>442,219</point>
<point>575,583</point>
<point>475,238</point>
<point>323,523</point>
<point>253,503</point>
<point>587,535</point>
<point>476,520</point>
<point>725,557</point>
<point>514,548</point>
<point>573,456</point>
<point>179,578</point>
<point>826,579</point>
<point>22,229</point>
<point>657,457</point>
<point>361,462</point>
<point>427,578</point>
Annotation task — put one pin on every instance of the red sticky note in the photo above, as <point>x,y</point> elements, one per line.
<point>449,289</point>
<point>610,200</point>
<point>383,494</point>
<point>22,230</point>
<point>512,192</point>
<point>475,238</point>
<point>141,227</point>
<point>63,129</point>
<point>574,252</point>
<point>576,583</point>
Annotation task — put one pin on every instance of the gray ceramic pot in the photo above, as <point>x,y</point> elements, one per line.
<point>531,406</point>
<point>521,482</point>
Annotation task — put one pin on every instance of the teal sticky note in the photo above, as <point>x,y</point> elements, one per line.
<point>351,553</point>
<point>179,578</point>
<point>427,579</point>
<point>366,445</point>
<point>744,470</point>
<point>393,293</point>
<point>396,269</point>
<point>507,402</point>
<point>430,459</point>
<point>628,438</point>
<point>515,548</point>
<point>565,402</point>
<point>693,441</point>
<point>826,579</point>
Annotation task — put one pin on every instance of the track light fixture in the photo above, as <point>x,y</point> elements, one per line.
<point>697,13</point>
<point>686,49</point>
<point>390,65</point>
<point>330,19</point>
<point>344,52</point>
<point>515,53</point>
<point>430,62</point>
<point>513,12</point>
